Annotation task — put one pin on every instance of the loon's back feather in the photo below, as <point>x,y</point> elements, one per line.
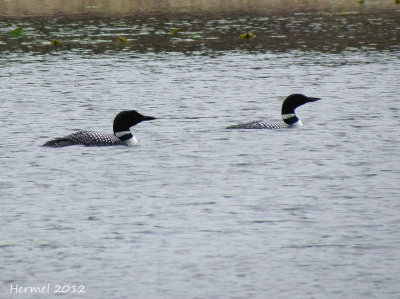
<point>260,125</point>
<point>87,138</point>
<point>59,142</point>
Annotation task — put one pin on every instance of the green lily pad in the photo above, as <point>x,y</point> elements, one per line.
<point>17,32</point>
<point>196,35</point>
<point>175,31</point>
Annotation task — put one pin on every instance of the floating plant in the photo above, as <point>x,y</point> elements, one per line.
<point>175,31</point>
<point>18,32</point>
<point>247,36</point>
<point>56,43</point>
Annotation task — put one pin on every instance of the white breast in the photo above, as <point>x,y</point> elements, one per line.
<point>132,141</point>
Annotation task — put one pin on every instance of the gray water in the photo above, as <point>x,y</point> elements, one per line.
<point>196,210</point>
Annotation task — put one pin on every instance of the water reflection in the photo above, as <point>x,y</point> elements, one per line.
<point>342,27</point>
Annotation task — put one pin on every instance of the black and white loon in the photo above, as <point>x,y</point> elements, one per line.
<point>122,135</point>
<point>289,116</point>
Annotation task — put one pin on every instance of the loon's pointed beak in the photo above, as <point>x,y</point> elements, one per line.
<point>147,118</point>
<point>311,99</point>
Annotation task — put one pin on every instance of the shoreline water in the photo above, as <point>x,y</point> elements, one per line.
<point>119,8</point>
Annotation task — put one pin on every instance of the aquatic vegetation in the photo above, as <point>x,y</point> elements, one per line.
<point>196,35</point>
<point>247,36</point>
<point>339,30</point>
<point>18,32</point>
<point>56,43</point>
<point>175,31</point>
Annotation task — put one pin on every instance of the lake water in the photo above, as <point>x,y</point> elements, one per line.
<point>196,210</point>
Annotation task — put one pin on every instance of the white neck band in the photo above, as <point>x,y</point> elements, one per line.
<point>122,133</point>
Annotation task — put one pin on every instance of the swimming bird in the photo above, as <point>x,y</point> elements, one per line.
<point>289,116</point>
<point>122,134</point>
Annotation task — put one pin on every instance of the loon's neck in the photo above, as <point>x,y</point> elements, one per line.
<point>124,135</point>
<point>291,119</point>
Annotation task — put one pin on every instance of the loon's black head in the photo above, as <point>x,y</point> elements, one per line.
<point>126,119</point>
<point>291,103</point>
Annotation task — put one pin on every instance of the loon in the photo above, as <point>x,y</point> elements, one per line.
<point>122,135</point>
<point>289,116</point>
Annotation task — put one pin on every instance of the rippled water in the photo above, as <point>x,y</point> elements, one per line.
<point>195,210</point>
